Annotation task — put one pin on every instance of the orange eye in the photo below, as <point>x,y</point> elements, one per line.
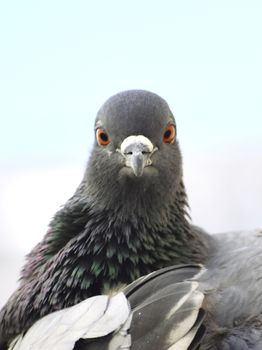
<point>169,134</point>
<point>102,137</point>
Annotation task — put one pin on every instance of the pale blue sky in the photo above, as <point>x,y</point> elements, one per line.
<point>61,59</point>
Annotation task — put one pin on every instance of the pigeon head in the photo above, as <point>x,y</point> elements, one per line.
<point>136,153</point>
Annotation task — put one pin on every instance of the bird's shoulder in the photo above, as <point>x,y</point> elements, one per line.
<point>67,223</point>
<point>232,283</point>
<point>246,335</point>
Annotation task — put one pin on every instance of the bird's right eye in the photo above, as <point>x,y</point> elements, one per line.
<point>102,137</point>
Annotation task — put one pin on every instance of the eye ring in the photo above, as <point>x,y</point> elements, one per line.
<point>102,137</point>
<point>169,134</point>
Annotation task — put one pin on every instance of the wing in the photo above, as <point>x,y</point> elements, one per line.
<point>166,315</point>
<point>95,317</point>
<point>166,309</point>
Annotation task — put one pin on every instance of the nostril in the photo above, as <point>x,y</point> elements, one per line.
<point>129,153</point>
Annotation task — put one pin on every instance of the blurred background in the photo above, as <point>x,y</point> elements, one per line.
<point>60,60</point>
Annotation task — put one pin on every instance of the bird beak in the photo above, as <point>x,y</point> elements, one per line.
<point>137,151</point>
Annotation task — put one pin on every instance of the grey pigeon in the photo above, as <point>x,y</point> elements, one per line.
<point>128,218</point>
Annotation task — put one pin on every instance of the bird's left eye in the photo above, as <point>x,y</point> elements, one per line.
<point>102,137</point>
<point>169,134</point>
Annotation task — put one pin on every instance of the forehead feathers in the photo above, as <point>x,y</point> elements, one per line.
<point>134,112</point>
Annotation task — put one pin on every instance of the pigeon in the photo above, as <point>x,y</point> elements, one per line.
<point>127,219</point>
